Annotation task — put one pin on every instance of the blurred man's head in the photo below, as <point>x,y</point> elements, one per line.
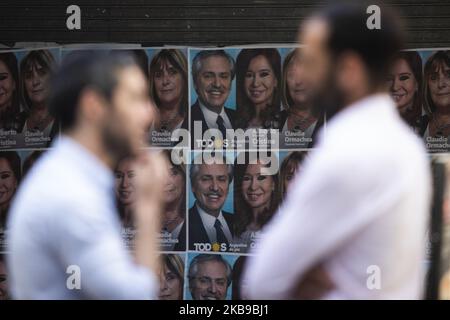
<point>209,277</point>
<point>344,59</point>
<point>105,96</point>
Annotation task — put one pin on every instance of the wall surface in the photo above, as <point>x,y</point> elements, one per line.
<point>196,22</point>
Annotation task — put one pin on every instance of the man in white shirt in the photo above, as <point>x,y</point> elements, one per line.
<point>64,235</point>
<point>353,224</point>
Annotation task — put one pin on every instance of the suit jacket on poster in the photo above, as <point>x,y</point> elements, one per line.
<point>197,115</point>
<point>197,231</point>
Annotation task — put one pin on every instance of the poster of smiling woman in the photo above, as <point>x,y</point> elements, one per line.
<point>25,78</point>
<point>419,84</point>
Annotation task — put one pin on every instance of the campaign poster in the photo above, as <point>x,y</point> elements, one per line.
<point>209,276</point>
<point>168,85</point>
<point>172,276</point>
<point>256,196</point>
<point>172,235</point>
<point>14,167</point>
<point>419,83</point>
<point>211,213</point>
<point>25,120</point>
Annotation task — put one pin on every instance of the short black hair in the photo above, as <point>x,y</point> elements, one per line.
<point>348,31</point>
<point>79,70</point>
<point>138,55</point>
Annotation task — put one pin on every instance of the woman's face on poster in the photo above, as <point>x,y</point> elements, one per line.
<point>125,189</point>
<point>37,83</point>
<point>402,84</point>
<point>170,285</point>
<point>296,85</point>
<point>439,86</point>
<point>260,81</point>
<point>8,183</point>
<point>7,86</point>
<point>174,186</point>
<point>257,188</point>
<point>3,282</point>
<point>168,83</point>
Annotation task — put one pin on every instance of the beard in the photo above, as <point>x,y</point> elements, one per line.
<point>327,100</point>
<point>116,140</point>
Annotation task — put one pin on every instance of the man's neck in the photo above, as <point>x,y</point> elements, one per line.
<point>215,214</point>
<point>212,109</point>
<point>362,94</point>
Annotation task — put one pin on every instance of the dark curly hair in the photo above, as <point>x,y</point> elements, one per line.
<point>243,212</point>
<point>245,109</point>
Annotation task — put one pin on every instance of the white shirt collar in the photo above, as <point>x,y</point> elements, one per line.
<point>381,102</point>
<point>211,117</point>
<point>209,221</point>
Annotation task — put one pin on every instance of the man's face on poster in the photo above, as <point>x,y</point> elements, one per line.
<point>213,82</point>
<point>210,281</point>
<point>210,187</point>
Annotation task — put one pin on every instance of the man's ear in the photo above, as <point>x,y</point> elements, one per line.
<point>352,76</point>
<point>194,82</point>
<point>93,106</point>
